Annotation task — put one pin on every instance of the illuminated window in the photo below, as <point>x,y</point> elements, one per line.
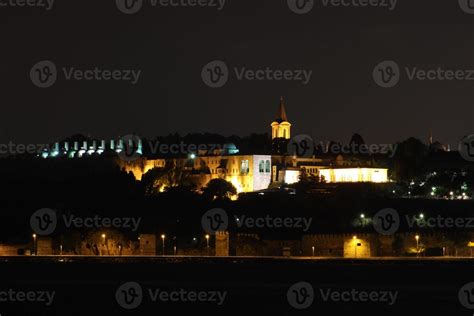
<point>261,166</point>
<point>244,167</point>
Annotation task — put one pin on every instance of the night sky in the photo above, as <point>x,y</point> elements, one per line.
<point>341,46</point>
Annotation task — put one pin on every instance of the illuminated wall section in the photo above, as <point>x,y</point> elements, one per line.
<point>374,175</point>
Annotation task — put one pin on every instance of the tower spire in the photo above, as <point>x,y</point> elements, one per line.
<point>282,111</point>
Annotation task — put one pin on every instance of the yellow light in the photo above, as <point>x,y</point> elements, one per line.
<point>417,237</point>
<point>34,235</point>
<point>355,237</point>
<point>163,236</point>
<point>207,236</point>
<point>103,235</point>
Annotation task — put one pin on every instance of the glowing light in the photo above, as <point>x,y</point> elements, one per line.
<point>374,175</point>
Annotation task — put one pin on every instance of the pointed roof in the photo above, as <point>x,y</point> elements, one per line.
<point>281,117</point>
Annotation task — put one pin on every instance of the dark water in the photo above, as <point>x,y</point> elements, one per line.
<point>88,286</point>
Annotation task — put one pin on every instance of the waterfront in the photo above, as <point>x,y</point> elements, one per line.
<point>88,285</point>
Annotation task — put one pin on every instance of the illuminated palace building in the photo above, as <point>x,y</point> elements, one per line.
<point>248,172</point>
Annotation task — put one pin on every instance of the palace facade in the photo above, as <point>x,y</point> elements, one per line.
<point>248,172</point>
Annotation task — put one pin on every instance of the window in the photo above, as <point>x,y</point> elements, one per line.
<point>244,167</point>
<point>267,166</point>
<point>261,166</point>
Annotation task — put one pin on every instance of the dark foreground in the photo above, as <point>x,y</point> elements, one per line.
<point>245,286</point>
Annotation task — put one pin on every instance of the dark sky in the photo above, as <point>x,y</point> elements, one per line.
<point>171,45</point>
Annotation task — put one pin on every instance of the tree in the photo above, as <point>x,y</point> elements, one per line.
<point>219,189</point>
<point>308,182</point>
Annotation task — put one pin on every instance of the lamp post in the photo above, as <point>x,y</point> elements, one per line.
<point>207,242</point>
<point>163,240</point>
<point>103,239</point>
<point>417,237</point>
<point>312,248</point>
<point>355,245</point>
<point>34,244</point>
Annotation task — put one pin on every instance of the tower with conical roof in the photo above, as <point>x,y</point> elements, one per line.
<point>281,128</point>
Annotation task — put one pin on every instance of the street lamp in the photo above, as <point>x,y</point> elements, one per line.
<point>355,245</point>
<point>163,239</point>
<point>103,239</point>
<point>34,244</point>
<point>417,237</point>
<point>207,241</point>
<point>312,248</point>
